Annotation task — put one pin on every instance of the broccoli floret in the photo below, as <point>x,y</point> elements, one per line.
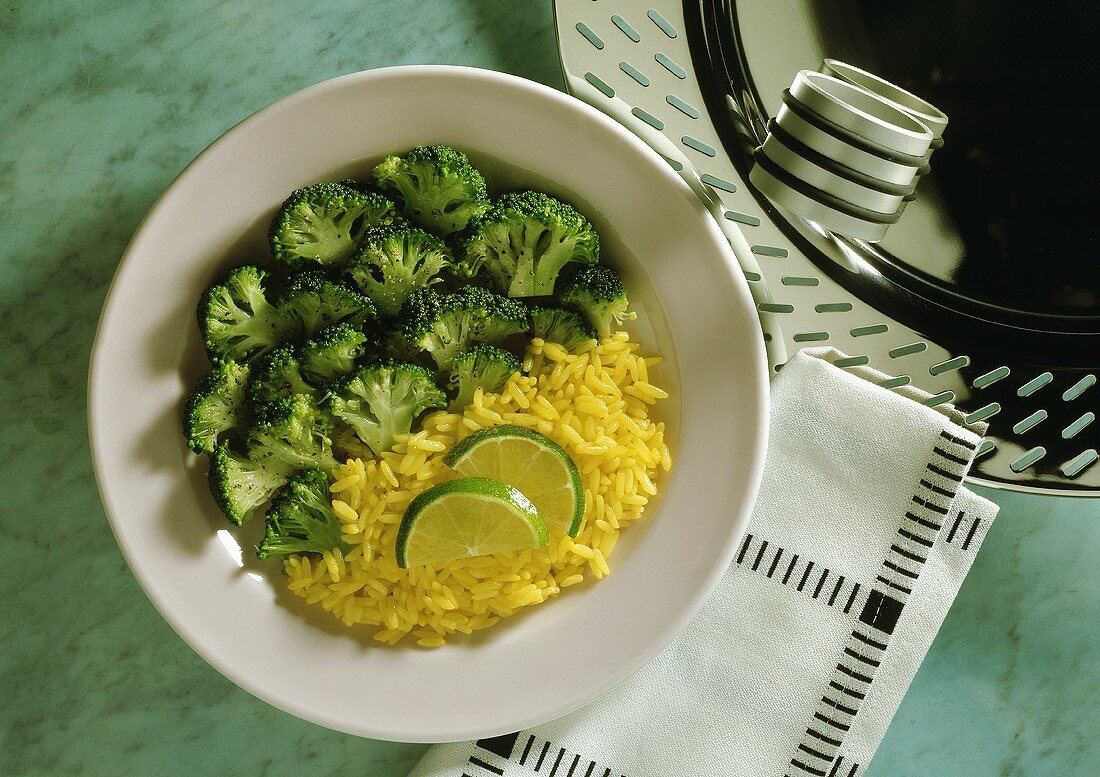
<point>599,294</point>
<point>315,301</point>
<point>482,366</point>
<point>323,222</point>
<point>277,375</point>
<point>216,406</point>
<point>381,400</point>
<point>332,353</point>
<point>236,320</point>
<point>525,240</point>
<point>240,486</point>
<point>301,519</point>
<point>346,443</point>
<point>353,183</point>
<point>393,261</point>
<point>437,186</point>
<point>443,325</point>
<point>564,327</point>
<point>292,433</point>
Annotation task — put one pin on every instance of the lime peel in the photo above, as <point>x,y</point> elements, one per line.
<point>533,463</point>
<point>467,517</point>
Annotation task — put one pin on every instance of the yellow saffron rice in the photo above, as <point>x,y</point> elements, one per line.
<point>594,404</point>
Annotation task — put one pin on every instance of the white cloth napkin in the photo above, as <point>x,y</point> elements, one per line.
<point>859,541</point>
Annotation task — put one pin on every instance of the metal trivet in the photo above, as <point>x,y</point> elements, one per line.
<point>633,61</point>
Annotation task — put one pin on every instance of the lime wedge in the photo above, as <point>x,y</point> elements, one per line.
<point>531,462</point>
<point>467,517</point>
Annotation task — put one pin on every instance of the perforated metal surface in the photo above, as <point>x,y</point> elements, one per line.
<point>633,61</point>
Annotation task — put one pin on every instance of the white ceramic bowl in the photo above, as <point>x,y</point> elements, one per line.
<point>696,310</point>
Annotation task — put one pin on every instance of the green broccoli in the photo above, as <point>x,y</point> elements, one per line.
<point>599,294</point>
<point>346,443</point>
<point>315,301</point>
<point>323,222</point>
<point>525,240</point>
<point>332,353</point>
<point>393,261</point>
<point>444,325</point>
<point>277,375</point>
<point>481,366</point>
<point>390,342</point>
<point>240,486</point>
<point>301,519</point>
<point>437,186</point>
<point>216,406</point>
<point>381,400</point>
<point>236,320</point>
<point>565,327</point>
<point>292,433</point>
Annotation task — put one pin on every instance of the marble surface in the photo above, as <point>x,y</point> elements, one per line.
<point>102,102</point>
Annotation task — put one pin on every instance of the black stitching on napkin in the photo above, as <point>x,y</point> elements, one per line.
<point>502,745</point>
<point>827,740</point>
<point>554,768</point>
<point>526,750</point>
<point>542,755</point>
<point>937,490</point>
<point>744,548</point>
<point>923,522</point>
<point>790,569</point>
<point>958,440</point>
<point>809,769</point>
<point>805,575</point>
<point>915,538</point>
<point>475,761</point>
<point>908,554</point>
<point>775,562</point>
<point>950,456</point>
<point>852,598</point>
<point>759,555</point>
<point>830,721</point>
<point>970,534</point>
<point>930,506</point>
<point>881,612</point>
<point>572,766</point>
<point>955,526</point>
<point>944,473</point>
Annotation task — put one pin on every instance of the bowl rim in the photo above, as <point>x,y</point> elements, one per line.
<point>110,498</point>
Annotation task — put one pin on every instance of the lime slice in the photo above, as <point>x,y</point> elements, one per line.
<point>467,517</point>
<point>531,462</point>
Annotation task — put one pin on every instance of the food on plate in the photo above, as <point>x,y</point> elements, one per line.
<point>466,518</point>
<point>444,325</point>
<point>301,519</point>
<point>439,190</point>
<point>313,301</point>
<point>567,328</point>
<point>598,292</point>
<point>393,261</point>
<point>236,319</point>
<point>525,240</point>
<point>429,400</point>
<point>216,407</point>
<point>480,366</point>
<point>531,462</point>
<point>380,400</point>
<point>596,405</point>
<point>322,224</point>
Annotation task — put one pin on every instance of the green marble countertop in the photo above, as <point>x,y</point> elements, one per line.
<point>102,102</point>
